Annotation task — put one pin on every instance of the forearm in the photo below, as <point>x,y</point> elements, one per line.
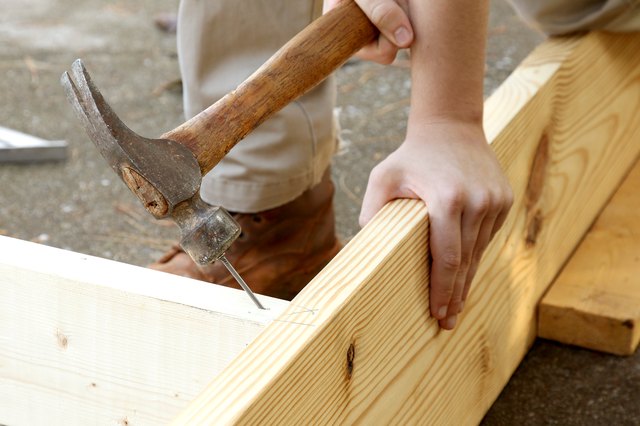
<point>445,159</point>
<point>447,61</point>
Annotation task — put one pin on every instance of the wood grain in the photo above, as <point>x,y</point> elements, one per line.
<point>357,346</point>
<point>301,64</point>
<point>595,301</point>
<point>91,341</point>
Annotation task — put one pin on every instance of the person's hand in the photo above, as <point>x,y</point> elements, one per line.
<point>449,166</point>
<point>392,19</point>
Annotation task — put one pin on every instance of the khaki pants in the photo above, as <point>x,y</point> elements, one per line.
<point>221,42</point>
<point>555,17</point>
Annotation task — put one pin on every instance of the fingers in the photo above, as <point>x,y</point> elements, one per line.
<point>395,30</point>
<point>484,236</point>
<point>507,202</point>
<point>381,188</point>
<point>381,51</point>
<point>452,245</point>
<point>472,219</point>
<point>446,252</point>
<point>391,19</point>
<point>491,224</point>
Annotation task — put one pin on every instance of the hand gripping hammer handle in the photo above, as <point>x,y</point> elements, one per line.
<point>298,66</point>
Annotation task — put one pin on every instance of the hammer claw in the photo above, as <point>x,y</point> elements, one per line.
<point>76,100</point>
<point>79,95</point>
<point>97,109</point>
<point>101,123</point>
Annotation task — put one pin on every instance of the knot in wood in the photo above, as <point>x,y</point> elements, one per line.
<point>351,354</point>
<point>535,189</point>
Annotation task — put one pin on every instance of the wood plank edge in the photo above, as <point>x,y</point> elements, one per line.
<point>567,325</point>
<point>91,270</point>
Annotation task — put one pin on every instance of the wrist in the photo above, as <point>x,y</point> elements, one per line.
<point>447,130</point>
<point>467,110</point>
<point>467,126</point>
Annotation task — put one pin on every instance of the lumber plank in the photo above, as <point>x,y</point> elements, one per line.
<point>88,341</point>
<point>595,301</point>
<point>357,345</point>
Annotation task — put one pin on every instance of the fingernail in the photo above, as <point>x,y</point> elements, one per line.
<point>442,312</point>
<point>402,37</point>
<point>461,306</point>
<point>451,321</point>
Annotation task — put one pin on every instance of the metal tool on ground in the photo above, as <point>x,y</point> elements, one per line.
<point>18,147</point>
<point>165,173</point>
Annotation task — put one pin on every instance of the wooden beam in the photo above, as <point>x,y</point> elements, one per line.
<point>85,340</point>
<point>358,345</point>
<point>595,302</point>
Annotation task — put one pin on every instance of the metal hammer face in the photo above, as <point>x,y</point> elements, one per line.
<point>163,174</point>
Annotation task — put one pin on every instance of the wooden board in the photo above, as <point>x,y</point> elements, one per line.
<point>595,302</point>
<point>89,341</point>
<point>358,346</point>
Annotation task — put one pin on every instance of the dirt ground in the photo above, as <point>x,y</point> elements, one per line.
<point>79,204</point>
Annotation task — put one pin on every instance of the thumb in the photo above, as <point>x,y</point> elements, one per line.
<point>391,20</point>
<point>381,188</point>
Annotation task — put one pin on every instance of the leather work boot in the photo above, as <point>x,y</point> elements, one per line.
<point>279,250</point>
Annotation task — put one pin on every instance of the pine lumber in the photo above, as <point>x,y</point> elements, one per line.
<point>357,345</point>
<point>91,341</point>
<point>595,301</point>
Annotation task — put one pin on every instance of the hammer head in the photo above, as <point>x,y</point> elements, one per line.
<point>162,173</point>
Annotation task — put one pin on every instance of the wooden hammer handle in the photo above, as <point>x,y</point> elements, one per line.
<point>298,66</point>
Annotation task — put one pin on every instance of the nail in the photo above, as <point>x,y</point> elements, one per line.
<point>451,322</point>
<point>402,37</point>
<point>461,306</point>
<point>442,312</point>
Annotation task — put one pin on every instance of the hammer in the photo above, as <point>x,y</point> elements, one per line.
<point>165,173</point>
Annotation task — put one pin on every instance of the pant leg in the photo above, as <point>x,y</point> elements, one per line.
<point>222,42</point>
<point>555,17</point>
